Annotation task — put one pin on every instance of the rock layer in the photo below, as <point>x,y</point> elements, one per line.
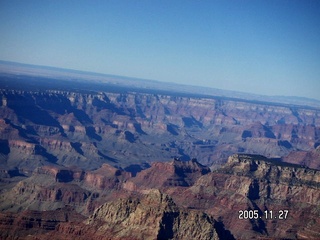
<point>152,216</point>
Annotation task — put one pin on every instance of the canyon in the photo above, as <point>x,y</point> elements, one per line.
<point>127,128</point>
<point>106,160</point>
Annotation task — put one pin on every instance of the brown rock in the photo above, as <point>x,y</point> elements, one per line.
<point>153,216</point>
<point>169,174</point>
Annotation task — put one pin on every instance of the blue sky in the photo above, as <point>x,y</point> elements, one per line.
<point>264,47</point>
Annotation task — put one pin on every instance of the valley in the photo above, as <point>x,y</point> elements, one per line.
<point>103,159</point>
<point>126,128</point>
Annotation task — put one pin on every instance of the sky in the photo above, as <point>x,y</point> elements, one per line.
<point>263,47</point>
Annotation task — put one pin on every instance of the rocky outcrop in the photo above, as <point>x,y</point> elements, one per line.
<point>106,177</point>
<point>152,216</point>
<point>102,178</point>
<point>52,187</point>
<point>253,182</point>
<point>168,174</point>
<point>270,179</point>
<point>309,159</point>
<point>25,224</point>
<point>61,174</point>
<point>262,168</point>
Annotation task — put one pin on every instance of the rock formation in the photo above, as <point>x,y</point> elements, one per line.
<point>168,174</point>
<point>152,216</point>
<point>252,182</point>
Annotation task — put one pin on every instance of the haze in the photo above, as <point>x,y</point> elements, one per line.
<point>263,47</point>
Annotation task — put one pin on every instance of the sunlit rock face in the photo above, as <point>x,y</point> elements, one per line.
<point>88,129</point>
<point>152,216</point>
<point>253,182</point>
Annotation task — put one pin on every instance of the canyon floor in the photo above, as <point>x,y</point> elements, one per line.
<point>117,158</point>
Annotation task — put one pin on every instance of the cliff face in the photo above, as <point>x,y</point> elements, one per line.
<point>153,216</point>
<point>251,182</point>
<point>169,174</point>
<point>305,158</point>
<point>89,129</point>
<point>25,224</point>
<point>52,187</point>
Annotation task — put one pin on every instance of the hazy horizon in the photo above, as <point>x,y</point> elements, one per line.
<point>262,47</point>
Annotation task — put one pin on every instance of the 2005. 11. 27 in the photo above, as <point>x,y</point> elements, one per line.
<point>267,214</point>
